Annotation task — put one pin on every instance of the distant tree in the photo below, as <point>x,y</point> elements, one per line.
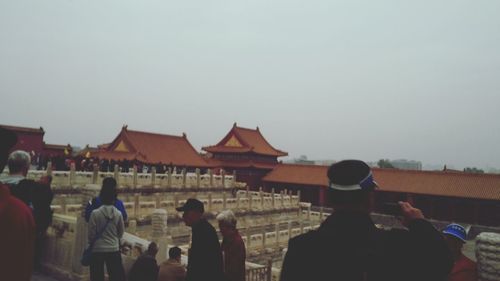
<point>385,163</point>
<point>473,170</point>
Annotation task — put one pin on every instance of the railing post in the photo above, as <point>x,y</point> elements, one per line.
<point>95,174</point>
<point>289,230</point>
<point>184,177</point>
<point>49,168</point>
<point>157,201</point>
<point>249,197</point>
<point>198,178</point>
<point>117,175</point>
<point>272,198</point>
<point>153,176</point>
<point>211,174</point>
<point>137,206</point>
<point>247,230</point>
<point>134,176</point>
<point>72,174</point>
<point>169,177</point>
<point>264,239</point>
<point>261,196</point>
<point>321,211</point>
<point>234,178</point>
<point>210,201</point>
<point>269,270</point>
<point>298,195</point>
<point>223,175</point>
<point>224,199</point>
<point>277,234</point>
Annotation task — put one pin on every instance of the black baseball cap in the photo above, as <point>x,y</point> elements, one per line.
<point>192,204</point>
<point>351,175</point>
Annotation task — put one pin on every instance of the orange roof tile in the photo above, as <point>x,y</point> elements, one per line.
<point>241,140</point>
<point>153,148</point>
<point>24,129</point>
<point>216,163</point>
<point>462,185</point>
<point>298,174</point>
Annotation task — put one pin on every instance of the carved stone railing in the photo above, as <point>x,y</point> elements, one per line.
<point>72,178</point>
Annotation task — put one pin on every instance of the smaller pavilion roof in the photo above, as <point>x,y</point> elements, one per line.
<point>24,129</point>
<point>244,140</point>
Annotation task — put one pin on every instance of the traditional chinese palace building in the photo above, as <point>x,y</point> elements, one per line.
<point>246,152</point>
<point>442,195</point>
<point>152,149</point>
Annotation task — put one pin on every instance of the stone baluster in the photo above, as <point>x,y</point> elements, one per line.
<point>282,198</point>
<point>234,179</point>
<point>157,201</point>
<point>261,196</point>
<point>117,175</point>
<point>137,205</point>
<point>224,201</point>
<point>169,177</point>
<point>198,178</point>
<point>301,225</point>
<point>298,195</point>
<point>159,232</point>
<point>132,227</point>
<point>321,213</point>
<point>264,239</point>
<point>211,175</point>
<point>49,168</point>
<point>223,177</point>
<point>249,197</point>
<point>184,177</point>
<point>309,212</point>
<point>64,208</point>
<point>237,201</point>
<point>95,174</point>
<point>209,207</point>
<point>176,201</point>
<point>277,234</point>
<point>289,230</point>
<point>249,240</point>
<point>134,176</point>
<point>153,176</point>
<point>72,174</point>
<point>272,198</point>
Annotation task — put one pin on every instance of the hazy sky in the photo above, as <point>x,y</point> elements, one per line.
<point>323,78</point>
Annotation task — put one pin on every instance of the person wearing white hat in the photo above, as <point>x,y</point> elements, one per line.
<point>348,246</point>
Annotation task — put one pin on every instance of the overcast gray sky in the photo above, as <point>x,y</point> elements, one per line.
<point>328,79</point>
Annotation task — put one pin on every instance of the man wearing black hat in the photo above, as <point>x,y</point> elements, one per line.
<point>205,255</point>
<point>348,246</point>
<point>17,226</point>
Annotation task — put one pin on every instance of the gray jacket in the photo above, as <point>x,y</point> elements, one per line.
<point>109,241</point>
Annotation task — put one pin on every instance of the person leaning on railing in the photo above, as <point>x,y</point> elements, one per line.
<point>348,246</point>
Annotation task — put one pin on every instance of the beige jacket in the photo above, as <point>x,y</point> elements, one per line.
<point>171,270</point>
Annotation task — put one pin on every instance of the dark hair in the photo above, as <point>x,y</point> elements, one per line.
<point>356,197</point>
<point>108,191</point>
<point>174,252</point>
<point>152,247</point>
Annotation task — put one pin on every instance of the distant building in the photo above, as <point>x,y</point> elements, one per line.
<point>246,152</point>
<point>404,164</point>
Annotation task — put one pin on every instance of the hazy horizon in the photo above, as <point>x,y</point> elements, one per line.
<point>326,79</point>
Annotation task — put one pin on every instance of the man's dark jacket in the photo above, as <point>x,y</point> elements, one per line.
<point>205,255</point>
<point>348,246</point>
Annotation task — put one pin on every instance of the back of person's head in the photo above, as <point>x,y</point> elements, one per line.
<point>227,217</point>
<point>108,191</point>
<point>19,162</point>
<point>174,252</point>
<point>7,140</point>
<point>350,183</point>
<point>153,248</point>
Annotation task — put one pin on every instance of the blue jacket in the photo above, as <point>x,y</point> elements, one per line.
<point>96,203</point>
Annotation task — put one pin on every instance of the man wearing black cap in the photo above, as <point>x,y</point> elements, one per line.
<point>348,246</point>
<point>17,226</point>
<point>205,255</point>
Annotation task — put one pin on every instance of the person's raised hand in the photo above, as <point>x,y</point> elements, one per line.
<point>409,213</point>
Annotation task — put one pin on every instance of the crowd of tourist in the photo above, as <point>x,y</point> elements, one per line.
<point>347,245</point>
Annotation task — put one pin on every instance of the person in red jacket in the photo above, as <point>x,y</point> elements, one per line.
<point>17,235</point>
<point>464,269</point>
